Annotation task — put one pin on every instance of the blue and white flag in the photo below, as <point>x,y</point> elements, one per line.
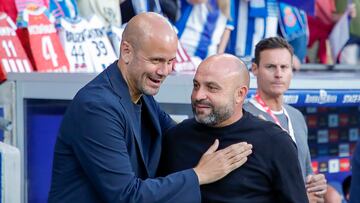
<point>340,35</point>
<point>254,22</point>
<point>307,5</point>
<point>292,22</point>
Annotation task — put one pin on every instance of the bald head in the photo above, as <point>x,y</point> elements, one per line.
<point>228,66</point>
<point>147,53</point>
<point>221,84</point>
<point>146,27</point>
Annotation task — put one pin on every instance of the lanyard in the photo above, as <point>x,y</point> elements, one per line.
<point>260,104</point>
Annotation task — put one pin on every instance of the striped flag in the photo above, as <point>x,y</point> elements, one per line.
<point>251,26</point>
<point>183,61</point>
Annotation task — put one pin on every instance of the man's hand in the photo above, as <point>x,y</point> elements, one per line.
<point>214,165</point>
<point>313,198</point>
<point>316,187</point>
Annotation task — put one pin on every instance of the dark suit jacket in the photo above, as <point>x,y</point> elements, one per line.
<point>355,179</point>
<point>99,156</point>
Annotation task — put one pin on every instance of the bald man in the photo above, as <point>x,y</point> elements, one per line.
<point>109,143</point>
<point>271,173</point>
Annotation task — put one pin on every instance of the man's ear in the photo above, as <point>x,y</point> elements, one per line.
<point>254,68</point>
<point>241,93</point>
<point>126,51</point>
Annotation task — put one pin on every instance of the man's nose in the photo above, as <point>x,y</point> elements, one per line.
<point>278,72</point>
<point>164,69</point>
<point>199,95</point>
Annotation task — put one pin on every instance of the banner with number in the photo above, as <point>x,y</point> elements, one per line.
<point>73,38</point>
<point>12,55</point>
<point>102,53</point>
<point>43,43</point>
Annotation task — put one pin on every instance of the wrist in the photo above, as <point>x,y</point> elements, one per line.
<point>199,176</point>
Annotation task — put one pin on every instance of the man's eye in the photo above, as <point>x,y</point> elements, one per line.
<point>170,62</point>
<point>155,61</point>
<point>212,88</point>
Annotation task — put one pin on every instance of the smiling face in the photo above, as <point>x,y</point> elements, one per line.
<point>212,103</point>
<point>148,52</point>
<point>274,72</point>
<point>219,91</point>
<point>151,64</point>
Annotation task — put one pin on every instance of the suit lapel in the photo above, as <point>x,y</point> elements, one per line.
<point>121,89</point>
<point>156,145</point>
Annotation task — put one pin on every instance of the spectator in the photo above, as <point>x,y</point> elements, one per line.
<point>273,70</point>
<point>204,26</point>
<point>130,8</point>
<point>255,20</point>
<point>321,25</point>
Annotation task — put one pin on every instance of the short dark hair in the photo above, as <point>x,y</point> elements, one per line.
<point>271,43</point>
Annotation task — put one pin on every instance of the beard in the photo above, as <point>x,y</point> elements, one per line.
<point>216,116</point>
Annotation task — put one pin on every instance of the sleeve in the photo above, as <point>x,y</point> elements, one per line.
<point>308,166</point>
<point>309,169</point>
<point>298,120</point>
<point>101,148</point>
<point>288,181</point>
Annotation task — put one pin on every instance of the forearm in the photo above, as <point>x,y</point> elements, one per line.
<point>224,40</point>
<point>182,186</point>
